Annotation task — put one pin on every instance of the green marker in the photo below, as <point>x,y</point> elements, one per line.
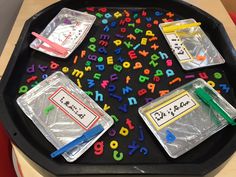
<point>206,98</point>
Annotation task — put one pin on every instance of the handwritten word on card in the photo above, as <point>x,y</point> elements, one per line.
<point>171,110</point>
<point>74,108</point>
<point>177,47</point>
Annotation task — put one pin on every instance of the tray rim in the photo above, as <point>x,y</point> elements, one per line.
<point>31,151</point>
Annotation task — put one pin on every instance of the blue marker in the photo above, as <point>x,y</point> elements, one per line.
<point>87,136</point>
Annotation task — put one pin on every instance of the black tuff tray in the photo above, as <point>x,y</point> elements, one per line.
<point>199,161</point>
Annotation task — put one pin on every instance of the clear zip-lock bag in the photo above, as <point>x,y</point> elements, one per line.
<point>63,112</point>
<point>189,43</point>
<point>67,29</point>
<point>188,115</point>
